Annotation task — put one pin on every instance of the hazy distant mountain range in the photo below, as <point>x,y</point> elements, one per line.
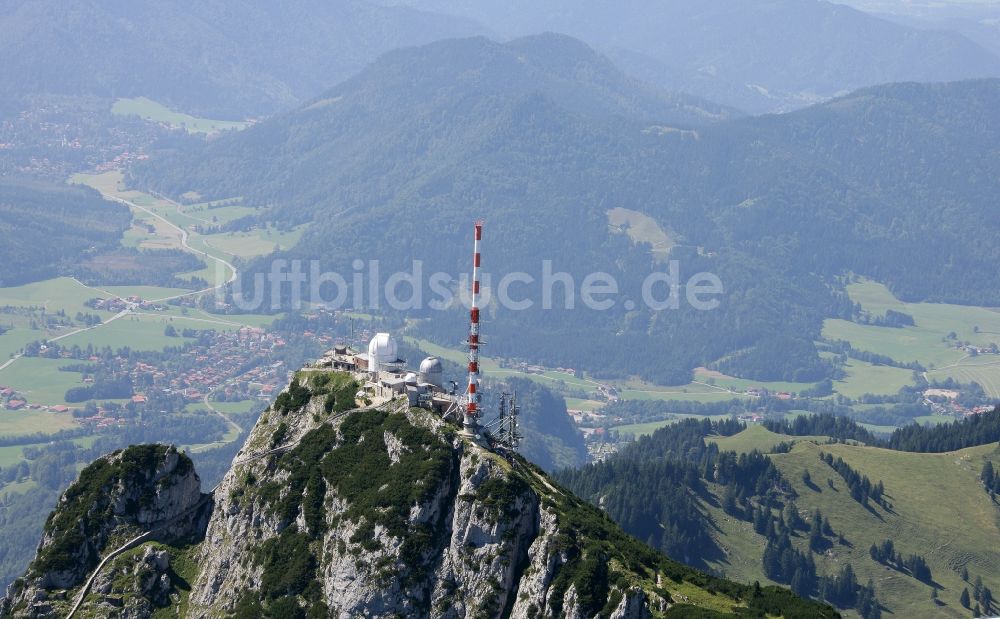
<point>756,56</point>
<point>217,57</point>
<point>234,59</point>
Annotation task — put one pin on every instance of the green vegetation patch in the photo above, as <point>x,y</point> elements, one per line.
<point>78,526</point>
<point>354,462</point>
<point>758,438</point>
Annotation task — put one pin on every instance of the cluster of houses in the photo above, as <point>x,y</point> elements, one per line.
<point>945,402</point>
<point>218,364</point>
<point>102,418</point>
<point>12,400</point>
<point>118,304</point>
<point>974,350</point>
<point>761,392</point>
<point>121,161</point>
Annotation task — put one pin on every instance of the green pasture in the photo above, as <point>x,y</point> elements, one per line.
<point>151,110</point>
<point>863,377</point>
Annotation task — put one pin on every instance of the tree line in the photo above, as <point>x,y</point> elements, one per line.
<point>862,489</point>
<point>971,431</point>
<point>886,554</point>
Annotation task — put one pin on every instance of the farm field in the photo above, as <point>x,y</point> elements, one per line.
<point>11,455</point>
<point>136,331</point>
<point>14,340</point>
<point>984,370</point>
<point>863,377</point>
<point>923,342</point>
<point>927,342</point>
<point>17,423</point>
<point>922,488</point>
<point>151,110</point>
<point>219,212</point>
<point>40,380</point>
<point>578,404</point>
<point>242,406</point>
<point>718,379</point>
<point>61,293</point>
<point>150,293</point>
<point>257,242</point>
<point>692,393</point>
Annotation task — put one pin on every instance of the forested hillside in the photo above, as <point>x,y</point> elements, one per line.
<point>544,137</point>
<point>48,229</point>
<point>205,57</point>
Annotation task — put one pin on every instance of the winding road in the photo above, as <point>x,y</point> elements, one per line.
<point>131,309</point>
<point>184,245</point>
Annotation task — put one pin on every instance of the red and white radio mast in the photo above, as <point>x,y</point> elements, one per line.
<point>472,392</point>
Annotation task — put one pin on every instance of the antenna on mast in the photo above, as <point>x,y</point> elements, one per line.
<point>472,395</point>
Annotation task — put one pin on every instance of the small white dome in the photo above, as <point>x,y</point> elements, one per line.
<point>431,371</point>
<point>410,379</point>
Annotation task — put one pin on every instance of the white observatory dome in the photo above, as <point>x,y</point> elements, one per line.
<point>382,349</point>
<point>410,378</point>
<point>431,371</point>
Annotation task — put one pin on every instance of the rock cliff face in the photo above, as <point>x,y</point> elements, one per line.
<point>145,492</point>
<point>384,511</point>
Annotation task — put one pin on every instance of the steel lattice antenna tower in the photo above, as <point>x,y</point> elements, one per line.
<point>473,396</point>
<point>509,436</point>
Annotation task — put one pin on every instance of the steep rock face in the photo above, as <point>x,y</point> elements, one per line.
<point>143,492</point>
<point>330,511</point>
<point>389,511</point>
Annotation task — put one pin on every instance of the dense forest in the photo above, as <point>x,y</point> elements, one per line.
<point>47,229</point>
<point>544,137</point>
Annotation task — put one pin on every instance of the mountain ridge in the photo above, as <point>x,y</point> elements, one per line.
<point>756,56</point>
<point>204,58</point>
<point>453,530</point>
<point>790,203</point>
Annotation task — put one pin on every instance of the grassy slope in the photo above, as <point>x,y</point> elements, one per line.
<point>939,510</point>
<point>642,228</point>
<point>760,438</point>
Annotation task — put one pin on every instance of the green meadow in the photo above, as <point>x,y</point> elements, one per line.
<point>643,429</point>
<point>927,342</point>
<point>717,379</point>
<point>863,377</point>
<point>16,423</point>
<point>40,380</point>
<point>922,489</point>
<point>757,437</point>
<point>923,342</point>
<point>151,110</point>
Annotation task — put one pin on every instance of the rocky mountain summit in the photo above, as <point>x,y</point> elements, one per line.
<point>374,511</point>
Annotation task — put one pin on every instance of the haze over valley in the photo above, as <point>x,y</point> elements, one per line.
<point>468,308</point>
